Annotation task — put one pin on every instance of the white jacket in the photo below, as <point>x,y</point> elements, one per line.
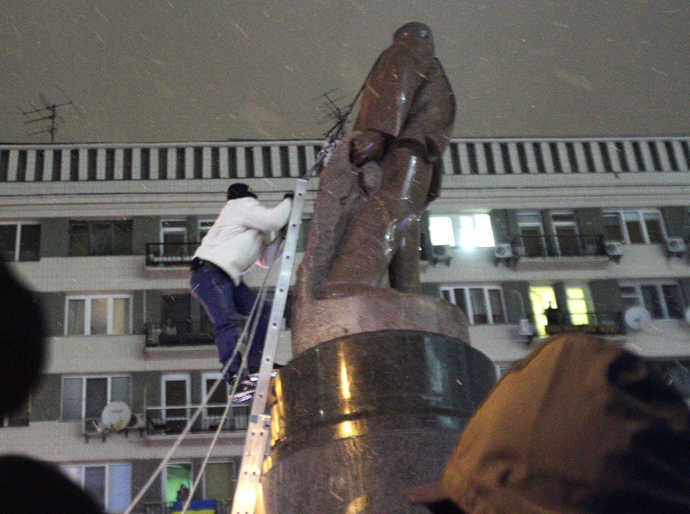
<point>235,241</point>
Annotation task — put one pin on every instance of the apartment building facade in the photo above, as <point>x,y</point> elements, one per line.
<point>530,237</point>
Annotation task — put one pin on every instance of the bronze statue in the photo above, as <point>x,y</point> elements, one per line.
<point>404,123</point>
<point>364,231</point>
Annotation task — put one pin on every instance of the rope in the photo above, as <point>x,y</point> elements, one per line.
<point>190,423</point>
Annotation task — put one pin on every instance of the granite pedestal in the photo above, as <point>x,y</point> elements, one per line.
<point>358,419</point>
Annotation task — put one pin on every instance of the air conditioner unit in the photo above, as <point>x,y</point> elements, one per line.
<point>525,328</point>
<point>440,254</point>
<point>676,246</point>
<point>503,251</point>
<point>614,250</point>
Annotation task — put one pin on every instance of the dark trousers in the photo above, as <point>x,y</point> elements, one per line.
<point>223,301</point>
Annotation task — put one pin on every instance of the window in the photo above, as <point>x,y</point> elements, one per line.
<point>465,230</point>
<point>565,231</point>
<point>642,226</point>
<point>220,479</point>
<point>85,397</point>
<point>542,297</point>
<point>100,238</point>
<point>204,227</point>
<point>482,304</point>
<point>219,397</point>
<point>579,304</point>
<point>20,241</point>
<point>175,392</point>
<point>174,237</point>
<point>109,484</point>
<point>532,234</point>
<point>662,299</point>
<point>175,476</point>
<point>98,315</point>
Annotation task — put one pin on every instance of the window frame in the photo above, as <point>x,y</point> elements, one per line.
<point>569,223</point>
<point>204,225</point>
<point>538,223</point>
<point>620,213</point>
<point>90,223</point>
<point>18,238</point>
<point>206,376</point>
<point>83,379</point>
<point>87,313</point>
<point>164,475</point>
<point>468,301</point>
<point>587,299</point>
<point>82,476</point>
<point>172,377</point>
<point>658,284</point>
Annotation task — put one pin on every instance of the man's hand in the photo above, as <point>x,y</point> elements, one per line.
<point>367,146</point>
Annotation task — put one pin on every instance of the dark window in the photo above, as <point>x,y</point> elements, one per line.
<point>656,161</point>
<point>266,161</point>
<point>622,158</point>
<point>284,161</point>
<point>490,166</point>
<point>472,154</point>
<point>674,302</point>
<point>249,161</point>
<point>4,164</point>
<point>145,163</point>
<point>302,160</point>
<point>127,164</point>
<point>523,158</point>
<point>556,158</point>
<point>572,159</point>
<point>198,162</point>
<point>40,155</point>
<point>215,162</point>
<point>232,162</point>
<point>162,163</point>
<point>21,166</point>
<point>100,238</point>
<point>612,227</point>
<point>539,158</point>
<point>20,241</point>
<point>109,164</point>
<point>505,155</point>
<point>589,158</point>
<point>57,164</point>
<point>92,164</point>
<point>74,165</point>
<point>603,147</point>
<point>455,158</point>
<point>180,163</point>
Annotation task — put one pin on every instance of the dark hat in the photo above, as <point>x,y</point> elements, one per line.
<point>239,190</point>
<point>580,425</point>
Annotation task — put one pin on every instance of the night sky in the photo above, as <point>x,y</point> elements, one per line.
<point>174,70</point>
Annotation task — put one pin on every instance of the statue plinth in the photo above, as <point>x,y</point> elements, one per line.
<point>358,419</point>
<point>379,309</point>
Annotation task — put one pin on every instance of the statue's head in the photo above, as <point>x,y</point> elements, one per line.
<point>414,29</point>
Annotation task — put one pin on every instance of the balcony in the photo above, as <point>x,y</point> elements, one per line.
<point>169,421</point>
<point>223,506</point>
<point>178,338</point>
<point>559,252</point>
<point>596,323</point>
<point>165,259</point>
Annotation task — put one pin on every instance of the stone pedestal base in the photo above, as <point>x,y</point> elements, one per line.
<point>359,419</point>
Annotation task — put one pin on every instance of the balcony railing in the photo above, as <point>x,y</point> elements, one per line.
<point>601,323</point>
<point>223,506</point>
<point>170,254</point>
<point>170,420</point>
<point>560,246</point>
<point>177,334</point>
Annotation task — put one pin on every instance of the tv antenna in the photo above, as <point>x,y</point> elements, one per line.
<point>48,113</point>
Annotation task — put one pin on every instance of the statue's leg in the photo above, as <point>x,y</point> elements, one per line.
<point>376,232</point>
<point>404,268</point>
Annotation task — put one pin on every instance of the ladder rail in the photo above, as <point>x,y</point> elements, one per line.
<point>259,423</point>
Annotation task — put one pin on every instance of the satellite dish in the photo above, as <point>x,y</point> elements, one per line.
<point>637,318</point>
<point>116,416</point>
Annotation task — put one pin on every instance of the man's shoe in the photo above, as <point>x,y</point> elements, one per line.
<point>245,392</point>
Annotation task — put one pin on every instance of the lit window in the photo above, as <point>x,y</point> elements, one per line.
<point>85,397</point>
<point>109,484</point>
<point>482,304</point>
<point>542,298</point>
<point>441,231</point>
<point>466,230</point>
<point>662,299</point>
<point>98,315</point>
<point>642,226</point>
<point>579,305</point>
<point>20,241</point>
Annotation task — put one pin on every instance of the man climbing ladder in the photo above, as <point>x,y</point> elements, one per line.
<point>234,244</point>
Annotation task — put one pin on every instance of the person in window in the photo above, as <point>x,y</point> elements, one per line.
<point>234,244</point>
<point>182,493</point>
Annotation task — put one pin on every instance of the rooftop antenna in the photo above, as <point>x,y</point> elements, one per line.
<point>49,112</point>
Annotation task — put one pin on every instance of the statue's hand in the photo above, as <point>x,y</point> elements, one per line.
<point>367,146</point>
